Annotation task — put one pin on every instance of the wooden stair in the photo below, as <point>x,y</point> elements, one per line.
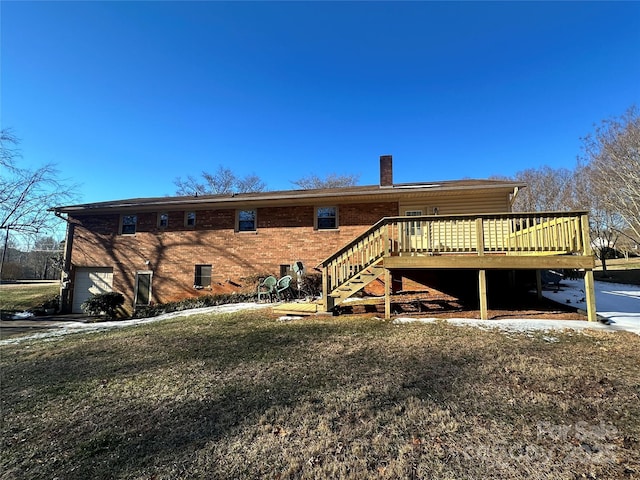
<point>357,282</point>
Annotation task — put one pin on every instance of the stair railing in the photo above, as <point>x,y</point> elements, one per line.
<point>537,233</point>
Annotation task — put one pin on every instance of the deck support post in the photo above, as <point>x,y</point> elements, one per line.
<point>539,284</point>
<point>387,293</point>
<point>482,285</point>
<point>589,287</point>
<point>482,274</point>
<point>327,301</point>
<point>590,296</point>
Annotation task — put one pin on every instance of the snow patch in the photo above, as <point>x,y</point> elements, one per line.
<point>287,318</point>
<point>22,315</point>
<point>617,304</point>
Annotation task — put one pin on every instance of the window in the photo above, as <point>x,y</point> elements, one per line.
<point>326,218</point>
<point>247,220</point>
<point>190,219</point>
<point>163,220</point>
<point>129,224</point>
<point>202,278</point>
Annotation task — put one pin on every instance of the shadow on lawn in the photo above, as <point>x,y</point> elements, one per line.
<point>122,424</point>
<point>137,437</point>
<point>152,400</point>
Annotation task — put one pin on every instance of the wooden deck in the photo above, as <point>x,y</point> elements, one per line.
<point>298,308</point>
<point>508,241</point>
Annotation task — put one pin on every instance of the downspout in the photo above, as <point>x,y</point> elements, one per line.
<point>65,280</point>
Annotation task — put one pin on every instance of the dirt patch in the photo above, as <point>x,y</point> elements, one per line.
<point>438,304</point>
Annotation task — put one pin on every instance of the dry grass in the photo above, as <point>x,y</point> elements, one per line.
<point>246,396</point>
<point>632,263</point>
<point>19,297</point>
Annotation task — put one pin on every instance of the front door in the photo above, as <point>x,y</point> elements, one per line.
<point>413,235</point>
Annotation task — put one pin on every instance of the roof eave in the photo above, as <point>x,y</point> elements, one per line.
<point>305,196</point>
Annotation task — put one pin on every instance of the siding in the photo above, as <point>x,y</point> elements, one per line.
<point>462,203</point>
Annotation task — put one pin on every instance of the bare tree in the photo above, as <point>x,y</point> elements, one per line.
<point>8,151</point>
<point>330,181</point>
<point>626,246</point>
<point>26,195</point>
<point>220,182</point>
<point>548,189</point>
<point>250,183</point>
<point>613,154</point>
<point>605,223</point>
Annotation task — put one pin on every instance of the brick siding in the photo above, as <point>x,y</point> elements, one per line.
<point>284,235</point>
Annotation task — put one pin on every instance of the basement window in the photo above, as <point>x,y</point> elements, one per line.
<point>285,270</point>
<point>202,277</point>
<point>326,218</point>
<point>128,226</point>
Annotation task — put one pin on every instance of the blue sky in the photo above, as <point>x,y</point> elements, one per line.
<point>126,96</point>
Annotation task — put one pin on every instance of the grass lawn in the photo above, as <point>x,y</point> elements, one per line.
<point>23,296</point>
<point>246,396</point>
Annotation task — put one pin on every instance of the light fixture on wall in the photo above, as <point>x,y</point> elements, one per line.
<point>435,210</point>
<point>147,262</point>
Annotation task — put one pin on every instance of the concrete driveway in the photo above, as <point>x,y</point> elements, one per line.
<point>27,326</point>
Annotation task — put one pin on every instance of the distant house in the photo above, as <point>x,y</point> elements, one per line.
<point>167,248</point>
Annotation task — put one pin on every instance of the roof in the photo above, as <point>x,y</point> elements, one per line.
<point>353,194</point>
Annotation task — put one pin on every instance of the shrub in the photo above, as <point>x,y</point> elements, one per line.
<point>107,303</point>
<point>311,284</point>
<point>51,303</point>
<point>250,282</point>
<point>193,302</point>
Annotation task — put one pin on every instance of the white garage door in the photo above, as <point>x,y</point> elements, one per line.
<point>90,281</point>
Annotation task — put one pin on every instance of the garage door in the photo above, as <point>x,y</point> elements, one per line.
<point>90,281</point>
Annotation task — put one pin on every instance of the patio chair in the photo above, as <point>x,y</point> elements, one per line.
<point>283,286</point>
<point>267,287</point>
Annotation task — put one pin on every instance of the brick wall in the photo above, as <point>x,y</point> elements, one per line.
<point>284,235</point>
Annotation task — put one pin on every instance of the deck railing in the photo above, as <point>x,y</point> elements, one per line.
<point>545,233</point>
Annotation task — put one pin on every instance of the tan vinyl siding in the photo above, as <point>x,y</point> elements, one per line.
<point>460,204</point>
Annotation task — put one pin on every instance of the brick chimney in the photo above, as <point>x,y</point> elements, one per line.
<point>386,171</point>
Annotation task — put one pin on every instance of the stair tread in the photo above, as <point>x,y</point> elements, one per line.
<point>357,282</point>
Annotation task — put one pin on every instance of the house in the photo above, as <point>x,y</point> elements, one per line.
<point>168,248</point>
